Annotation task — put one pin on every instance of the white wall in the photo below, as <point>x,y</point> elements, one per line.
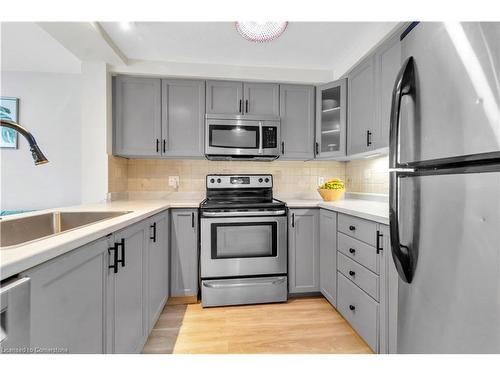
<point>50,107</point>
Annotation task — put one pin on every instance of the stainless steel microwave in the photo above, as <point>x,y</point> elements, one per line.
<point>242,138</point>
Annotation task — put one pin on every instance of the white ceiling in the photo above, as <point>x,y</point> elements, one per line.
<point>305,45</point>
<point>26,47</point>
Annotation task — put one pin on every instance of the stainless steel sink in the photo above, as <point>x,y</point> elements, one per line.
<point>18,231</point>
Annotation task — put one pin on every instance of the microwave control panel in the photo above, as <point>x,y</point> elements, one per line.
<point>269,137</point>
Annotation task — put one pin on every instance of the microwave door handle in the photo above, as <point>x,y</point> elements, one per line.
<point>260,137</point>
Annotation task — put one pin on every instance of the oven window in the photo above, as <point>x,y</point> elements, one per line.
<point>244,240</point>
<point>233,136</point>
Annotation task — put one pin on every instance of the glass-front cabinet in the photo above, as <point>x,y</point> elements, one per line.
<point>331,109</point>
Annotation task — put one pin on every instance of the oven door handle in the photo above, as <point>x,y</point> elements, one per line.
<point>260,137</point>
<point>244,213</point>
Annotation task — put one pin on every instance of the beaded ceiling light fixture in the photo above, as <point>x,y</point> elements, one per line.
<point>261,31</point>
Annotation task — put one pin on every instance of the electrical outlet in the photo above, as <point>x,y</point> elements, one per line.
<point>173,181</point>
<point>321,181</point>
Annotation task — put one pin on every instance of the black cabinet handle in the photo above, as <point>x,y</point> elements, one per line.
<point>293,220</point>
<point>282,147</point>
<point>157,145</point>
<point>192,219</point>
<point>240,106</point>
<point>352,307</point>
<point>246,106</point>
<point>153,226</point>
<point>352,273</point>
<point>352,251</point>
<point>317,148</point>
<point>164,145</point>
<point>368,138</point>
<point>113,265</point>
<point>380,236</point>
<point>122,245</point>
<point>352,227</point>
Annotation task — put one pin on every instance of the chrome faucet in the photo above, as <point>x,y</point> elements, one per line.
<point>36,153</point>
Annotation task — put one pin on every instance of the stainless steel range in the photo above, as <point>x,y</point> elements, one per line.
<point>243,252</point>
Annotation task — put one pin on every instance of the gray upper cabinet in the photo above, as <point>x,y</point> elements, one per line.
<point>388,58</point>
<point>67,300</point>
<point>261,99</point>
<point>362,107</point>
<point>158,266</point>
<point>224,97</point>
<point>303,250</point>
<point>331,112</point>
<point>183,111</point>
<point>137,116</point>
<point>127,293</point>
<point>297,122</point>
<point>184,248</point>
<point>328,255</point>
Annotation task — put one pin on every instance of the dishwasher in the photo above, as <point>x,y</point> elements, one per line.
<point>15,315</point>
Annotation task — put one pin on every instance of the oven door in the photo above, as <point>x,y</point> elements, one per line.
<point>243,246</point>
<point>238,137</point>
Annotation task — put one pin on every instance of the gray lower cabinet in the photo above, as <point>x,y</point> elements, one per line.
<point>182,122</point>
<point>136,116</point>
<point>184,250</point>
<point>158,266</point>
<point>303,250</point>
<point>127,291</point>
<point>297,122</point>
<point>328,255</point>
<point>68,296</point>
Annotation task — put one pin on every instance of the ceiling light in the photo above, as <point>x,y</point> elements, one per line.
<point>261,31</point>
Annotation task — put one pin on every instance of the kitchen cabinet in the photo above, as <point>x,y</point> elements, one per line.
<point>297,122</point>
<point>362,113</point>
<point>184,249</point>
<point>136,116</point>
<point>303,250</point>
<point>158,266</point>
<point>331,110</point>
<point>68,297</point>
<point>328,255</point>
<point>127,290</point>
<point>183,118</point>
<point>242,98</point>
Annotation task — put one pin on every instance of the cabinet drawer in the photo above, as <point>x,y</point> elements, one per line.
<point>360,229</point>
<point>360,310</point>
<point>362,253</point>
<point>359,275</point>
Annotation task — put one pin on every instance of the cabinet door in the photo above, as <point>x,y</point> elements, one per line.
<point>261,99</point>
<point>388,64</point>
<point>331,110</point>
<point>137,116</point>
<point>67,300</point>
<point>328,255</point>
<point>303,249</point>
<point>128,292</point>
<point>183,111</point>
<point>158,266</point>
<point>184,248</point>
<point>224,97</point>
<point>297,122</point>
<point>362,110</point>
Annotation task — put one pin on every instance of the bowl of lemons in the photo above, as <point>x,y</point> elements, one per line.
<point>332,190</point>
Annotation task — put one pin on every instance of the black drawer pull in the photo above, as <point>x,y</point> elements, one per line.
<point>153,237</point>
<point>192,219</point>
<point>157,145</point>
<point>113,265</point>
<point>293,220</point>
<point>352,251</point>
<point>164,145</point>
<point>352,273</point>
<point>352,227</point>
<point>380,236</point>
<point>122,245</point>
<point>246,106</point>
<point>352,307</point>
<point>240,106</point>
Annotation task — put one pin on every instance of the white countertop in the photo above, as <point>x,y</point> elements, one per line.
<point>16,259</point>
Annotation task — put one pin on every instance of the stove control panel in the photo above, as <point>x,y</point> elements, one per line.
<point>239,181</point>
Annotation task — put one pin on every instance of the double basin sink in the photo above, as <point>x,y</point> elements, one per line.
<point>18,231</point>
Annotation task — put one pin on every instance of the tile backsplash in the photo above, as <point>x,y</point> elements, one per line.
<point>366,175</point>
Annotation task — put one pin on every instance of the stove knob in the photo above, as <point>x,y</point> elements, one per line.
<point>219,181</point>
<point>260,179</point>
<point>212,180</point>
<point>267,179</point>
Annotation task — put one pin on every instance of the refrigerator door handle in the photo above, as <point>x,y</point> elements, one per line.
<point>403,256</point>
<point>405,85</point>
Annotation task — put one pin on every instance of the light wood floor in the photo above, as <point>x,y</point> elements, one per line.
<point>302,325</point>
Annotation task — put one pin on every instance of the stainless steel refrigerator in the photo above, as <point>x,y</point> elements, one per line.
<point>445,188</point>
